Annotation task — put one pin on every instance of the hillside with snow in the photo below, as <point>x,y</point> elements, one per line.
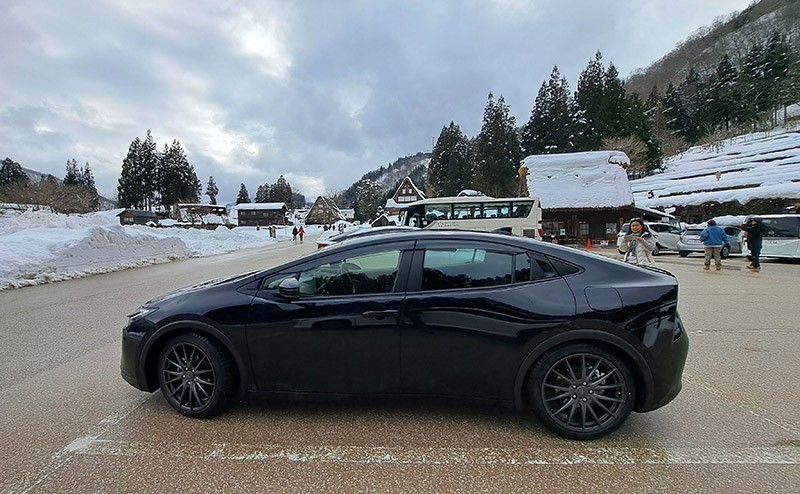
<point>753,166</point>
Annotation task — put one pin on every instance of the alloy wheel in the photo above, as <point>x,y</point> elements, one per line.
<point>585,393</point>
<point>188,377</point>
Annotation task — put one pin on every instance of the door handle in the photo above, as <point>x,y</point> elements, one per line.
<point>380,314</point>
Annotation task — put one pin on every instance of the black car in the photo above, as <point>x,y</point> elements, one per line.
<point>579,339</point>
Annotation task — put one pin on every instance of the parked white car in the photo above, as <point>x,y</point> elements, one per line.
<point>666,236</point>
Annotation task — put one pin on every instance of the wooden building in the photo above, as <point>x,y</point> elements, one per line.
<point>138,217</point>
<point>584,196</point>
<point>406,193</point>
<point>261,213</point>
<point>323,212</point>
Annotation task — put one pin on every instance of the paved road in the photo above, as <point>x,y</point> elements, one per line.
<point>70,424</point>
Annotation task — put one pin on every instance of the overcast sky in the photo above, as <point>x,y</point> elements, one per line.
<point>320,91</point>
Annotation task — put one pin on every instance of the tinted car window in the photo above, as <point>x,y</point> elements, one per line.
<point>780,227</point>
<point>445,269</point>
<point>371,273</point>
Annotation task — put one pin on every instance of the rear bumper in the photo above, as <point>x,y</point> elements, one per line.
<point>667,377</point>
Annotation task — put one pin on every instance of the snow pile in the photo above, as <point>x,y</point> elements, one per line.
<point>40,247</point>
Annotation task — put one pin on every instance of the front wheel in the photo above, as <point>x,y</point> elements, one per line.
<point>656,250</point>
<point>683,253</point>
<point>580,391</point>
<point>725,252</point>
<point>196,375</point>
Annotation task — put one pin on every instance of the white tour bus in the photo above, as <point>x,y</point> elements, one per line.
<point>781,235</point>
<point>521,216</point>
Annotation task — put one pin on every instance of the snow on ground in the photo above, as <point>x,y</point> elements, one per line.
<point>40,247</point>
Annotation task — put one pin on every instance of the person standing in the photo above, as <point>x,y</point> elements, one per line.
<point>714,238</point>
<point>301,232</point>
<point>294,234</point>
<point>638,245</point>
<point>755,238</point>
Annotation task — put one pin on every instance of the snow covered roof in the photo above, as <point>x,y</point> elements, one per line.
<point>753,166</point>
<point>588,180</point>
<point>260,205</point>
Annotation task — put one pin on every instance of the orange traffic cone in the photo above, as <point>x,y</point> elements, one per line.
<point>589,244</point>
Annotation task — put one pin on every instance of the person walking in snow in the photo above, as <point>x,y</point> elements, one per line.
<point>714,238</point>
<point>294,234</point>
<point>301,232</point>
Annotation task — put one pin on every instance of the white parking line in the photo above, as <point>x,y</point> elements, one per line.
<point>777,455</point>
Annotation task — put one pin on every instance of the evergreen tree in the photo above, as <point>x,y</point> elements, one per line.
<point>130,189</point>
<point>618,115</point>
<point>149,173</point>
<point>368,200</point>
<point>589,106</point>
<point>262,193</point>
<point>723,104</point>
<point>753,84</point>
<point>11,172</point>
<point>779,59</point>
<point>499,151</point>
<point>243,195</point>
<point>694,94</point>
<point>212,190</point>
<point>677,118</point>
<point>282,192</point>
<point>449,171</point>
<point>177,180</point>
<point>72,177</point>
<point>550,127</point>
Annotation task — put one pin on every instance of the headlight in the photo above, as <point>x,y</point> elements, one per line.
<point>140,313</point>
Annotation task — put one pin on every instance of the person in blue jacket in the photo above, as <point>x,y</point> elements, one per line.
<point>714,238</point>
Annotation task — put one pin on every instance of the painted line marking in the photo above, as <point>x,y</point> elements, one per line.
<point>776,455</point>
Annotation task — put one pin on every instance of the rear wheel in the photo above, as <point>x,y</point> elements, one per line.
<point>196,375</point>
<point>683,253</point>
<point>580,391</point>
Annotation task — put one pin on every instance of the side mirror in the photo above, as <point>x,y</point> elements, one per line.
<point>289,288</point>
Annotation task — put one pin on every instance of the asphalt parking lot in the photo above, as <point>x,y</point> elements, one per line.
<point>70,424</point>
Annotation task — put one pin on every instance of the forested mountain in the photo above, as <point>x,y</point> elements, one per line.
<point>731,35</point>
<point>388,178</point>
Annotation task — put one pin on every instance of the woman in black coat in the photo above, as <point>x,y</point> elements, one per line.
<point>755,238</point>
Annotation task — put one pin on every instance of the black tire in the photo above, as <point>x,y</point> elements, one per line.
<point>580,391</point>
<point>683,253</point>
<point>656,250</point>
<point>196,375</point>
<point>725,252</point>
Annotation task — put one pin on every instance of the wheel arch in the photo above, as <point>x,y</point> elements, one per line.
<point>624,349</point>
<point>152,348</point>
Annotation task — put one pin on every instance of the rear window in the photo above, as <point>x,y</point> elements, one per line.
<point>693,231</point>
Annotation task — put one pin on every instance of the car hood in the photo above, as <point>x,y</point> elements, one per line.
<point>194,288</point>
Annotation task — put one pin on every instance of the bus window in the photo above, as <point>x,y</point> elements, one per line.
<point>499,210</point>
<point>521,210</point>
<point>437,212</point>
<point>466,211</point>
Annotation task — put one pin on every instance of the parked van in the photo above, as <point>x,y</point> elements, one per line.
<point>781,235</point>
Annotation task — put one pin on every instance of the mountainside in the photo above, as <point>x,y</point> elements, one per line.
<point>389,178</point>
<point>732,35</point>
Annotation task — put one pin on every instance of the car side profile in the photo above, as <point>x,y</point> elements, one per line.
<point>690,241</point>
<point>578,339</point>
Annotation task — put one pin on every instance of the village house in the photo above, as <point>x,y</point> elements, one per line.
<point>323,212</point>
<point>406,193</point>
<point>137,217</point>
<point>584,196</point>
<point>261,213</point>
